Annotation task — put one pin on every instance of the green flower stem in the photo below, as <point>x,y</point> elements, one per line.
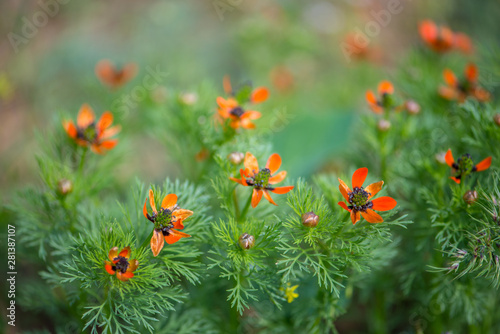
<point>82,160</point>
<point>236,208</point>
<point>148,239</point>
<point>245,209</point>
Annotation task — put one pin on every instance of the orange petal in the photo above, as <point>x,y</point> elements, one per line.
<point>384,203</point>
<point>104,122</point>
<point>251,164</point>
<point>174,236</point>
<point>182,214</point>
<point>483,165</point>
<point>344,206</point>
<point>125,276</point>
<point>428,31</point>
<point>256,196</point>
<point>113,253</point>
<point>450,78</point>
<point>145,209</point>
<point>109,268</point>
<point>260,94</point>
<point>449,158</point>
<point>132,265</point>
<point>370,97</point>
<point>251,114</point>
<point>359,177</point>
<point>246,124</point>
<point>96,148</point>
<point>169,201</point>
<point>157,242</point>
<point>385,87</point>
<point>85,116</point>
<point>481,95</point>
<point>471,72</point>
<point>125,252</point>
<point>152,201</point>
<point>282,190</point>
<point>455,179</point>
<point>277,178</point>
<point>178,224</point>
<point>104,71</point>
<point>226,83</point>
<point>268,197</point>
<point>344,189</point>
<point>371,216</point>
<point>448,93</point>
<point>463,43</point>
<point>108,144</point>
<point>354,216</point>
<point>274,163</point>
<point>70,128</point>
<point>110,132</point>
<point>374,188</point>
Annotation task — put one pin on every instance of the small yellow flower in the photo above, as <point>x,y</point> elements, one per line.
<point>290,293</point>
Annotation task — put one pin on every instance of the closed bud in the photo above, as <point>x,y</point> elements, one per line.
<point>310,219</point>
<point>247,241</point>
<point>496,118</point>
<point>64,187</point>
<point>384,125</point>
<point>470,196</point>
<point>412,107</point>
<point>236,158</point>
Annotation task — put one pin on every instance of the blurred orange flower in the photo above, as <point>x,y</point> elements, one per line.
<point>460,90</point>
<point>442,39</point>
<point>359,199</point>
<point>109,75</point>
<point>262,180</point>
<point>384,100</point>
<point>120,264</point>
<point>232,109</point>
<point>166,221</point>
<point>464,165</point>
<point>89,133</point>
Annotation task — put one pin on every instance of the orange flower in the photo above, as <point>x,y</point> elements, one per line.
<point>166,221</point>
<point>359,199</point>
<point>385,90</point>
<point>464,165</point>
<point>460,90</point>
<point>232,108</point>
<point>120,264</point>
<point>89,133</point>
<point>109,75</point>
<point>440,39</point>
<point>262,180</point>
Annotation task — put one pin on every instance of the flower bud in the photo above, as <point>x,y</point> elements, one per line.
<point>310,219</point>
<point>383,125</point>
<point>236,158</point>
<point>64,187</point>
<point>496,118</point>
<point>247,241</point>
<point>470,196</point>
<point>440,157</point>
<point>412,107</point>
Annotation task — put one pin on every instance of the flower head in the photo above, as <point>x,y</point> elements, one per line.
<point>384,99</point>
<point>120,264</point>
<point>167,221</point>
<point>232,107</point>
<point>461,89</point>
<point>262,180</point>
<point>360,201</point>
<point>109,75</point>
<point>464,166</point>
<point>442,39</point>
<point>290,293</point>
<point>87,132</point>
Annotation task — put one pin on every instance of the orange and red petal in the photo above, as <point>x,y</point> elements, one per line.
<point>355,217</point>
<point>125,276</point>
<point>152,200</point>
<point>174,236</point>
<point>463,43</point>
<point>344,189</point>
<point>282,190</point>
<point>481,95</point>
<point>374,188</point>
<point>274,163</point>
<point>125,252</point>
<point>428,31</point>
<point>104,122</point>
<point>132,265</point>
<point>109,268</point>
<point>359,177</point>
<point>471,72</point>
<point>113,253</point>
<point>259,94</point>
<point>85,116</point>
<point>169,201</point>
<point>483,165</point>
<point>385,87</point>
<point>246,123</point>
<point>449,158</point>
<point>256,196</point>
<point>450,78</point>
<point>384,203</point>
<point>157,242</point>
<point>178,224</point>
<point>448,93</point>
<point>371,98</point>
<point>344,206</point>
<point>110,132</point>
<point>455,179</point>
<point>277,178</point>
<point>182,213</point>
<point>70,129</point>
<point>251,114</point>
<point>268,197</point>
<point>371,216</point>
<point>251,164</point>
<point>108,144</point>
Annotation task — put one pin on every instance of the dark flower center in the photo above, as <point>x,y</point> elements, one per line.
<point>358,199</point>
<point>237,112</point>
<point>162,220</point>
<point>261,179</point>
<point>121,265</point>
<point>464,166</point>
<point>88,134</point>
